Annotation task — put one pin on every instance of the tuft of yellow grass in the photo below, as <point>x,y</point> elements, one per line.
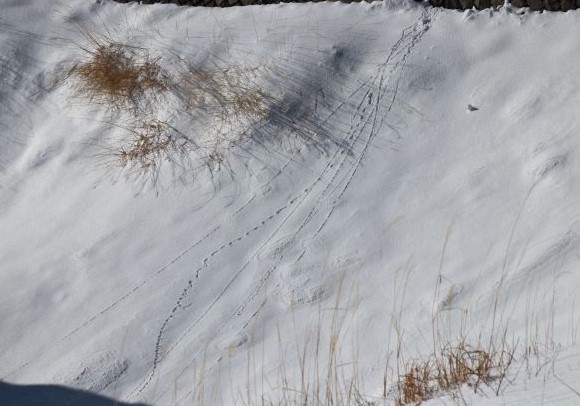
<point>150,145</point>
<point>452,367</point>
<point>113,73</point>
<point>228,95</point>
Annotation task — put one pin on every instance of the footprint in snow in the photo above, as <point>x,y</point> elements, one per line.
<point>300,285</point>
<point>548,166</point>
<point>277,249</point>
<point>96,372</point>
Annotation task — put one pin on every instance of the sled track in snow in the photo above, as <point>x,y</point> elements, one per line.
<point>119,300</point>
<point>415,34</point>
<point>411,36</point>
<point>343,165</point>
<point>339,166</point>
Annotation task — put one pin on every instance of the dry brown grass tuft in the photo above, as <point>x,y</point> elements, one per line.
<point>223,89</point>
<point>229,98</point>
<point>223,105</point>
<point>451,368</point>
<point>151,145</point>
<point>113,73</point>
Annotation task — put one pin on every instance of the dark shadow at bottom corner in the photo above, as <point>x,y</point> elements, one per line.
<point>53,395</point>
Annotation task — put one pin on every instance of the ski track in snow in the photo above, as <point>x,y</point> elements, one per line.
<point>363,123</point>
<point>365,155</point>
<point>118,301</point>
<point>331,183</point>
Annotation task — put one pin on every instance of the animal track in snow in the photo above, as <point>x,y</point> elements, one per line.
<point>277,249</point>
<point>346,262</point>
<point>94,248</point>
<point>300,284</point>
<point>232,345</point>
<point>97,372</point>
<point>449,301</point>
<point>549,166</point>
<point>545,259</point>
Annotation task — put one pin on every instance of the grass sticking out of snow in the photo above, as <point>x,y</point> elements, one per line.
<point>319,372</point>
<point>149,146</point>
<point>116,75</point>
<point>223,103</point>
<point>223,92</point>
<point>450,368</point>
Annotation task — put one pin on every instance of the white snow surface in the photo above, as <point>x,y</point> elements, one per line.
<point>369,181</point>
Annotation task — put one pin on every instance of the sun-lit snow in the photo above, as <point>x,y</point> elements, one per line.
<point>410,164</point>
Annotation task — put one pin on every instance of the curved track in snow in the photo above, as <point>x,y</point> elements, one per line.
<point>367,100</point>
<point>374,98</point>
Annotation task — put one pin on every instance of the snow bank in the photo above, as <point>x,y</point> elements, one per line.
<point>368,209</point>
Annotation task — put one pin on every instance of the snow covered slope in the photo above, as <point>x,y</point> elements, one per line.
<point>365,208</point>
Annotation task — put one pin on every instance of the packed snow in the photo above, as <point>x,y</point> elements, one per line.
<point>390,178</point>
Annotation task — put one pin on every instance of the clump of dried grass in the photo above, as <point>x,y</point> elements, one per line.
<point>452,367</point>
<point>223,103</point>
<point>118,75</point>
<point>229,89</point>
<point>228,98</point>
<point>455,360</point>
<point>149,146</point>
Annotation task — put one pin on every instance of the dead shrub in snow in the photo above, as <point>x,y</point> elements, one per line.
<point>118,75</point>
<point>456,360</point>
<point>150,146</point>
<point>227,100</point>
<point>450,368</point>
<point>223,90</point>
